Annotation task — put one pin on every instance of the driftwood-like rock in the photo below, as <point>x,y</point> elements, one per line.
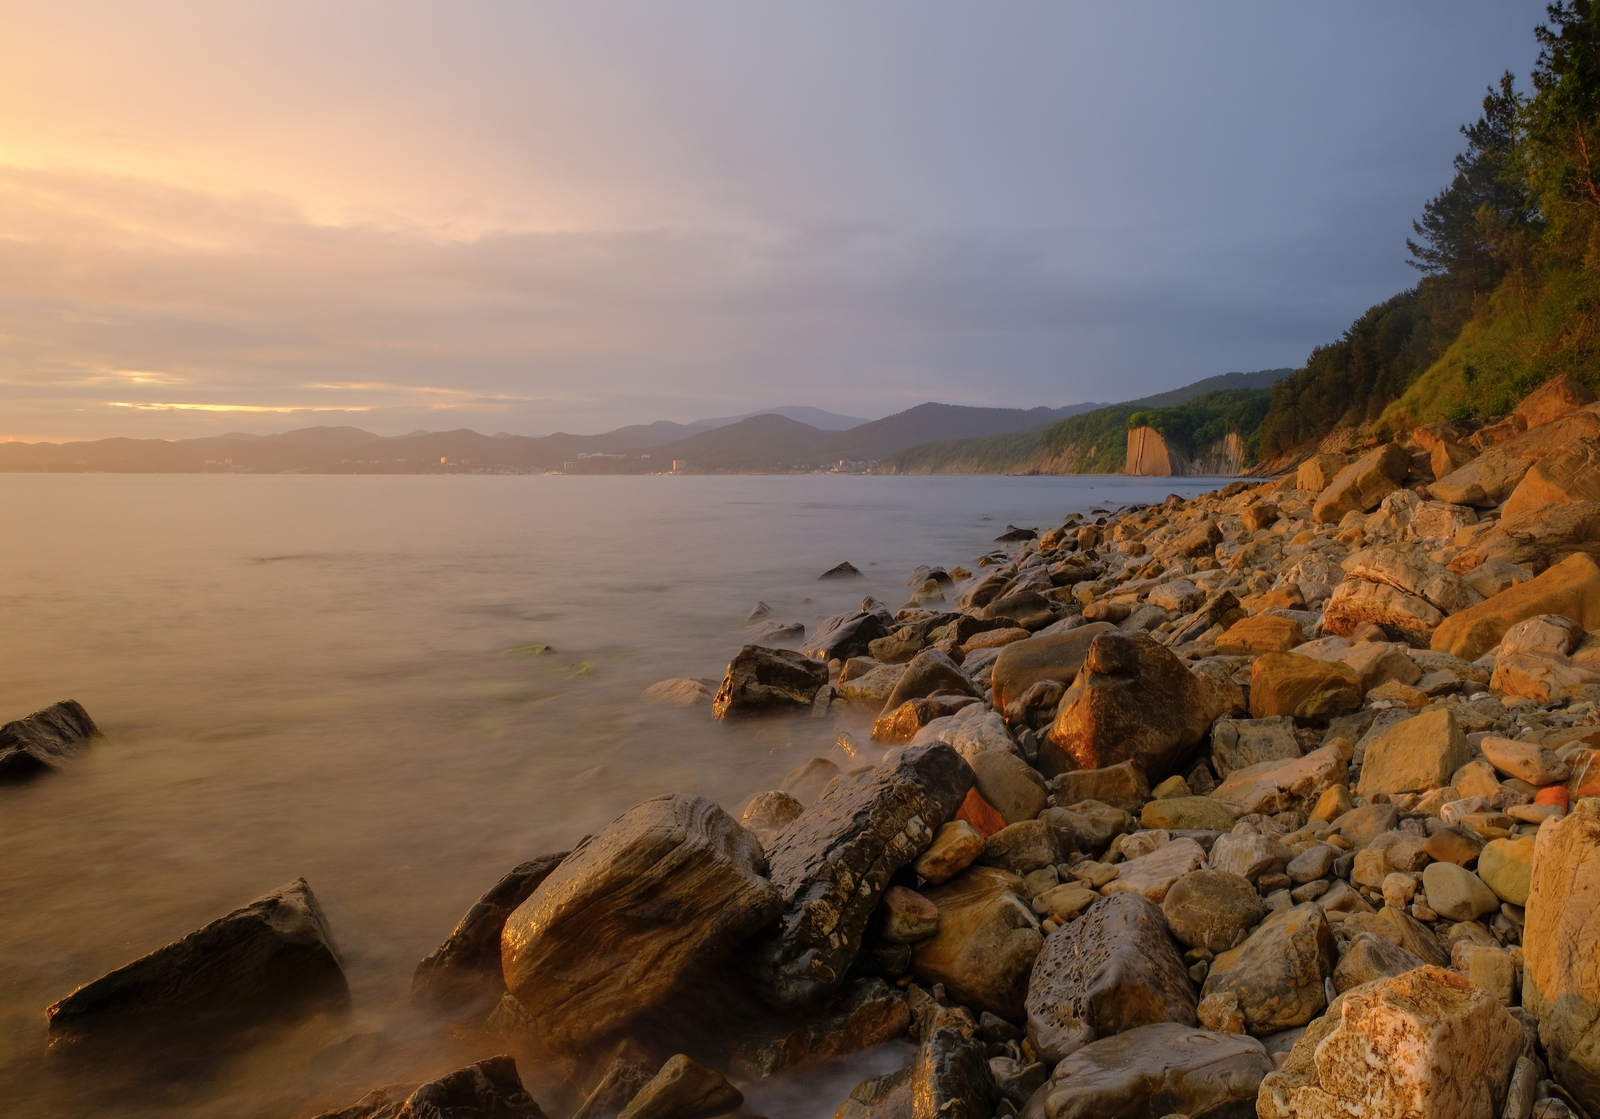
<point>44,739</point>
<point>671,883</point>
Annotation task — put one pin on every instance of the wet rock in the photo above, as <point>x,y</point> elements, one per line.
<point>1088,825</point>
<point>618,1084</point>
<point>1022,848</point>
<point>845,570</point>
<point>806,781</point>
<point>1290,685</point>
<point>955,847</point>
<point>1212,909</point>
<point>951,1078</point>
<point>1561,947</point>
<point>1277,974</point>
<point>1359,487</point>
<point>767,814</point>
<point>868,1012</point>
<point>987,941</point>
<point>684,1089</point>
<point>845,635</point>
<point>880,1097</point>
<point>1236,743</point>
<point>44,739</point>
<point>929,671</point>
<point>1122,786</point>
<point>672,883</point>
<point>1426,1044</point>
<point>1271,787</point>
<point>1056,656</point>
<point>1152,875</point>
<point>872,687</point>
<point>271,957</point>
<point>902,724</point>
<point>1025,608</point>
<point>907,916</point>
<point>1114,969</point>
<point>1011,785</point>
<point>468,962</point>
<point>1369,958</point>
<point>834,862</point>
<point>761,680</point>
<point>676,693</point>
<point>1415,754</point>
<point>490,1089</point>
<point>1154,1071</point>
<point>1134,701</point>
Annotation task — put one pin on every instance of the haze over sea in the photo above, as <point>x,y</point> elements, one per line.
<point>335,678</point>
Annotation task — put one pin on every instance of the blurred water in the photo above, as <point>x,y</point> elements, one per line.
<point>336,677</point>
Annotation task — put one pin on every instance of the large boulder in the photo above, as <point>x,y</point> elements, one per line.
<point>846,635</point>
<point>489,1088</point>
<point>1410,570</point>
<point>1556,399</point>
<point>1359,487</point>
<point>1261,633</point>
<point>951,1078</point>
<point>1300,687</point>
<point>1370,957</point>
<point>987,941</point>
<point>1415,754</point>
<point>1571,588</point>
<point>868,1013</point>
<point>1402,616</point>
<point>1427,1044</point>
<point>1317,473</point>
<point>929,671</point>
<point>1571,473</point>
<point>1274,786</point>
<point>1212,909</point>
<point>672,883</point>
<point>834,862</point>
<point>468,962</point>
<point>1275,978</point>
<point>1051,656</point>
<point>272,956</point>
<point>1010,785</point>
<point>760,680</point>
<point>1154,1071</point>
<point>1534,539</point>
<point>44,739</point>
<point>1561,946</point>
<point>1113,969</point>
<point>1484,481</point>
<point>1134,701</point>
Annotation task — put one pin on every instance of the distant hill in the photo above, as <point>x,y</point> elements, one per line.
<point>1094,442</point>
<point>815,417</point>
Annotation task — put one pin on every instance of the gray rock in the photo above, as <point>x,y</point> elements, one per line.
<point>1277,974</point>
<point>1022,848</point>
<point>272,956</point>
<point>1236,743</point>
<point>834,862</point>
<point>1369,957</point>
<point>761,680</point>
<point>1312,863</point>
<point>845,635</point>
<point>467,964</point>
<point>869,1012</point>
<point>44,739</point>
<point>490,1089</point>
<point>1113,969</point>
<point>1212,909</point>
<point>1088,826</point>
<point>672,883</point>
<point>1249,855</point>
<point>618,1085</point>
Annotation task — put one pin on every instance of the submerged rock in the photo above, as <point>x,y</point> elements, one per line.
<point>44,739</point>
<point>272,956</point>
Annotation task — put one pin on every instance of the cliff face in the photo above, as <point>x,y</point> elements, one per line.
<point>1150,456</point>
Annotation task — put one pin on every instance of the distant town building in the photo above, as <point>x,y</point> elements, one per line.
<point>679,465</point>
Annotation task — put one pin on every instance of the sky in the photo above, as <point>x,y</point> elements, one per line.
<point>533,217</point>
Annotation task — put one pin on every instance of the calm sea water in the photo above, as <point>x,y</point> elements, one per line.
<point>336,678</point>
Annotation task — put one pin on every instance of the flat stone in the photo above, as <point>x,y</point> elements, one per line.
<point>1561,947</point>
<point>1011,785</point>
<point>1415,754</point>
<point>1287,684</point>
<point>1359,487</point>
<point>1570,588</point>
<point>1212,909</point>
<point>902,725</point>
<point>672,883</point>
<point>1249,854</point>
<point>1277,974</point>
<point>987,941</point>
<point>1152,875</point>
<point>1262,633</point>
<point>1408,569</point>
<point>762,681</point>
<point>1022,848</point>
<point>272,956</point>
<point>834,862</point>
<point>1489,966</point>
<point>1457,893</point>
<point>1155,1070</point>
<point>871,689</point>
<point>676,693</point>
<point>1113,969</point>
<point>1087,826</point>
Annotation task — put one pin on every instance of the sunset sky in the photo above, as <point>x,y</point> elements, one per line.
<point>534,217</point>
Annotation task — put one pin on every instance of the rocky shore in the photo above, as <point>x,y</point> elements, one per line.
<point>1283,801</point>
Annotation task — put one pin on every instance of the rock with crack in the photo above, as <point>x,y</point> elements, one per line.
<point>672,883</point>
<point>832,864</point>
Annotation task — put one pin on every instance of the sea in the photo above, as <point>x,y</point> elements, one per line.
<point>397,688</point>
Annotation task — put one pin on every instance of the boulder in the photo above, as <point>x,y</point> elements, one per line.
<point>1371,957</point>
<point>868,1013</point>
<point>1427,1044</point>
<point>1263,633</point>
<point>987,941</point>
<point>1542,679</point>
<point>1199,539</point>
<point>672,883</point>
<point>1122,786</point>
<point>1401,616</point>
<point>929,671</point>
<point>1218,690</point>
<point>951,1078</point>
<point>1026,608</point>
<point>1457,893</point>
<point>1506,867</point>
<point>1249,854</point>
<point>907,916</point>
<point>1153,1071</point>
<point>1178,596</point>
<point>871,688</point>
<point>1568,474</point>
<point>1571,588</point>
<point>489,1088</point>
<point>1187,813</point>
<point>769,813</point>
<point>1276,976</point>
<point>846,635</point>
<point>1359,487</point>
<point>1561,947</point>
<point>1544,635</point>
<point>1011,785</point>
<point>1317,473</point>
<point>845,570</point>
<point>468,962</point>
<point>1439,521</point>
<point>1408,569</point>
<point>1287,684</point>
<point>1271,787</point>
<point>1022,848</point>
<point>1153,875</point>
<point>833,863</point>
<point>955,847</point>
<point>271,957</point>
<point>1415,754</point>
<point>762,680</point>
<point>44,739</point>
<point>1529,761</point>
<point>676,693</point>
<point>1088,825</point>
<point>1237,743</point>
<point>1535,539</point>
<point>1113,969</point>
<point>1055,656</point>
<point>808,780</point>
<point>1212,909</point>
<point>1484,481</point>
<point>1555,399</point>
<point>684,1089</point>
<point>1134,701</point>
<point>903,723</point>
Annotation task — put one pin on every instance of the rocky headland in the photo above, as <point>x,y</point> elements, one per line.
<point>1283,801</point>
